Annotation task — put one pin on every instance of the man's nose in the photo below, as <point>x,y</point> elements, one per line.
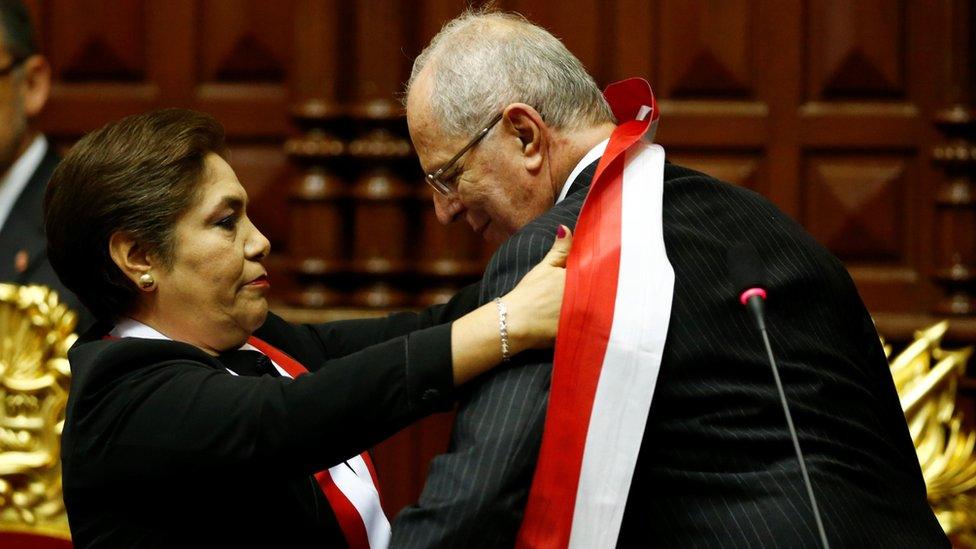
<point>448,209</point>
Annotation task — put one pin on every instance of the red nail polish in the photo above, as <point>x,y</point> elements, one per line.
<point>561,232</point>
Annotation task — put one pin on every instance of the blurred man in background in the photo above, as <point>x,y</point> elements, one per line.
<point>26,158</point>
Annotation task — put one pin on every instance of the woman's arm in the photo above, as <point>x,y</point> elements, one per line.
<point>180,415</point>
<point>340,338</point>
<point>531,306</point>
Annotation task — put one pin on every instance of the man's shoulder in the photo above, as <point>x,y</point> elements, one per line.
<point>543,228</point>
<point>685,181</point>
<point>679,178</point>
<point>31,198</point>
<point>530,244</point>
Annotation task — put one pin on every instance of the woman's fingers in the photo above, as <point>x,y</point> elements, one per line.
<point>560,248</point>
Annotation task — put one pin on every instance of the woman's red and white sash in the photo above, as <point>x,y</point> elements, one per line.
<point>612,329</point>
<point>351,488</point>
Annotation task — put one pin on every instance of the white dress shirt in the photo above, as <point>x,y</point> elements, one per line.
<point>128,327</point>
<point>594,153</point>
<point>13,182</point>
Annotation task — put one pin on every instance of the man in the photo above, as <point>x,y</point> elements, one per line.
<point>715,466</point>
<point>27,160</point>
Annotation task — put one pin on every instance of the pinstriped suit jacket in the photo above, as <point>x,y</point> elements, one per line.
<point>716,467</point>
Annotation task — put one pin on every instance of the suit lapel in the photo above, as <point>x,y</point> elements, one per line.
<point>22,243</point>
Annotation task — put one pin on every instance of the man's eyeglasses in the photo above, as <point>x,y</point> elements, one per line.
<point>12,66</point>
<point>445,188</point>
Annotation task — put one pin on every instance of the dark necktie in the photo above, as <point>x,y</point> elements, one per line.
<point>248,363</point>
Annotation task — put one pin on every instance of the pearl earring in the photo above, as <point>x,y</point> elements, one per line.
<point>147,281</point>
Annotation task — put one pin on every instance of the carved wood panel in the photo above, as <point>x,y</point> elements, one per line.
<point>706,50</point>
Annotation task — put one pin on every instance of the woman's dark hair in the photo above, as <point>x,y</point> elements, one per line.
<point>138,176</point>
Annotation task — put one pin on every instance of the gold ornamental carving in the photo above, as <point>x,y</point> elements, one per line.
<point>927,379</point>
<point>36,331</point>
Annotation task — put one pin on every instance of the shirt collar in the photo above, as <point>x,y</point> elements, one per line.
<point>588,158</point>
<point>130,327</point>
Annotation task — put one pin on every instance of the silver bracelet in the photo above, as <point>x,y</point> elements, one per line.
<point>503,327</point>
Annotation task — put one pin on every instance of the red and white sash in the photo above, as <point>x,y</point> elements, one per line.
<point>612,329</point>
<point>351,488</point>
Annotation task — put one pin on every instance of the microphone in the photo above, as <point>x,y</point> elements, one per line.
<point>749,277</point>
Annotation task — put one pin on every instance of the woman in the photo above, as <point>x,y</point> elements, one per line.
<point>189,421</point>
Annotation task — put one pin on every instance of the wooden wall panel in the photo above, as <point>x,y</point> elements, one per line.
<point>633,33</point>
<point>855,49</point>
<point>855,205</point>
<point>864,163</point>
<point>856,118</point>
<point>241,64</point>
<point>240,41</point>
<point>97,51</point>
<point>94,41</point>
<point>706,50</point>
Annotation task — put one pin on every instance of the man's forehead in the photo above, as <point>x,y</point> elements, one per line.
<point>432,146</point>
<point>433,149</point>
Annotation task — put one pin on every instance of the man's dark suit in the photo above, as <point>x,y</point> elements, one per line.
<point>716,466</point>
<point>23,234</point>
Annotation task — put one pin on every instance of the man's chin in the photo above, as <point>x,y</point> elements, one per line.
<point>495,236</point>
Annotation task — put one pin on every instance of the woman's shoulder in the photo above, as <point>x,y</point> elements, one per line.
<point>96,357</point>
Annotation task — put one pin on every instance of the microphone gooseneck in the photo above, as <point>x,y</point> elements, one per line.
<point>747,273</point>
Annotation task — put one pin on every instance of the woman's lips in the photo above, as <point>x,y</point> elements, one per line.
<point>259,282</point>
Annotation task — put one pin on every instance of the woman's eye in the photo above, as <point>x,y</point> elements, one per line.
<point>228,222</point>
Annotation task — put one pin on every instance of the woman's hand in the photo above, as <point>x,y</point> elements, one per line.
<point>534,304</point>
<point>533,316</point>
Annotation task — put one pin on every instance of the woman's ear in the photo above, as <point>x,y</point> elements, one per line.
<point>526,123</point>
<point>132,259</point>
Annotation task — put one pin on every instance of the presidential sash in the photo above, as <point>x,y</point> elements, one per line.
<point>351,488</point>
<point>612,329</point>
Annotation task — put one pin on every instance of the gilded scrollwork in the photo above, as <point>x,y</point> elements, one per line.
<point>36,331</point>
<point>927,378</point>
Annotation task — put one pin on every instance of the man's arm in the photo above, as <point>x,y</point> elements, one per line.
<point>475,493</point>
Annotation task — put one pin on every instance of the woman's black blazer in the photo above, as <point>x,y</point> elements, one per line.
<point>162,447</point>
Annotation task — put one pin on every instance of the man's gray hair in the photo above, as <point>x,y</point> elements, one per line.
<point>482,61</point>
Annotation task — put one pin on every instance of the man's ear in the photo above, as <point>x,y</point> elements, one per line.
<point>525,123</point>
<point>36,84</point>
<point>130,256</point>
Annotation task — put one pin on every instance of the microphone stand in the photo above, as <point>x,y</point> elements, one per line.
<point>755,303</point>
